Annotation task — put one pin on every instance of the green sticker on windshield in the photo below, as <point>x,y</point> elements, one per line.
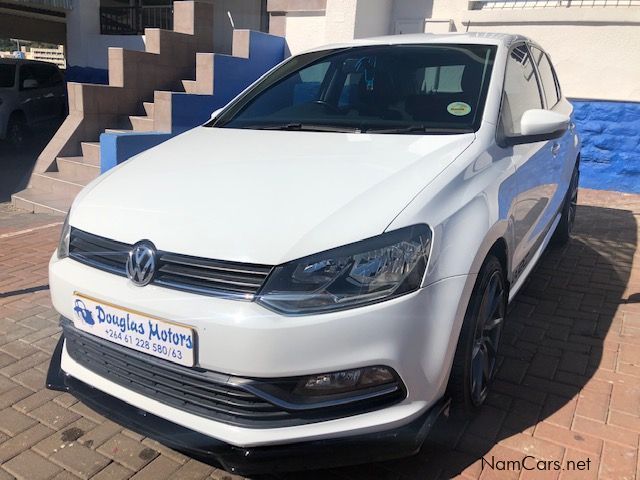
<point>459,109</point>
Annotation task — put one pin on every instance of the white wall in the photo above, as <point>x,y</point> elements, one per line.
<point>373,18</point>
<point>595,50</point>
<point>342,21</point>
<point>85,46</point>
<point>593,62</point>
<point>305,31</point>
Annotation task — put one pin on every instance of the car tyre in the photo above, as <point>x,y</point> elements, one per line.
<point>476,359</point>
<point>562,235</point>
<point>16,131</point>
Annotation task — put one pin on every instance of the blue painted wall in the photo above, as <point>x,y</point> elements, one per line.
<point>115,148</point>
<point>231,76</point>
<point>87,75</point>
<point>610,133</point>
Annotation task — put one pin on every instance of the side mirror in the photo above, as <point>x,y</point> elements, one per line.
<point>543,124</point>
<point>215,113</point>
<point>30,83</point>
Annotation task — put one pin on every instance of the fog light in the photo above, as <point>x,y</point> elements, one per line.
<point>344,381</point>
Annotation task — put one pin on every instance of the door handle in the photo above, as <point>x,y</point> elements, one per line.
<point>555,149</point>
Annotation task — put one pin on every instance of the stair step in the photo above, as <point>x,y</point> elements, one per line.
<point>141,124</point>
<point>56,183</point>
<point>148,108</point>
<point>116,130</point>
<point>189,86</point>
<point>74,169</point>
<point>91,152</point>
<point>42,201</point>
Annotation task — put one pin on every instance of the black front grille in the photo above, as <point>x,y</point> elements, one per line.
<point>180,272</point>
<point>237,401</point>
<point>203,393</point>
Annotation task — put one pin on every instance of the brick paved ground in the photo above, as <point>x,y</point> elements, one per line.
<point>568,386</point>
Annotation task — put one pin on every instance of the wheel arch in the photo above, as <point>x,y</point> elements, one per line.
<point>18,113</point>
<point>500,250</point>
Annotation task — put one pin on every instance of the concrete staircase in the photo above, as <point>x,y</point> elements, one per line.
<point>72,158</point>
<point>53,192</point>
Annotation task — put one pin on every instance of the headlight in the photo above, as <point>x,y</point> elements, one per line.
<point>372,270</point>
<point>63,245</point>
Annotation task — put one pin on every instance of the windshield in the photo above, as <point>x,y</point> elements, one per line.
<point>7,75</point>
<point>379,89</point>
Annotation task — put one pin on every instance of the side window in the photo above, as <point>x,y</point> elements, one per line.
<point>47,75</point>
<point>547,76</point>
<point>299,88</point>
<point>310,80</point>
<point>27,78</point>
<point>521,90</point>
<point>55,77</point>
<point>443,79</point>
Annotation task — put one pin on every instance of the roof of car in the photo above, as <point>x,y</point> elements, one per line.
<point>479,38</point>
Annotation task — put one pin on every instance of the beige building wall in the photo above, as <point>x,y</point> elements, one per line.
<point>373,18</point>
<point>596,50</point>
<point>313,23</point>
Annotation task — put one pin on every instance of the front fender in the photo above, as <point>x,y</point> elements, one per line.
<point>469,208</point>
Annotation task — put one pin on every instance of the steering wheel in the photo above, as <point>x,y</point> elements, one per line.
<point>327,105</point>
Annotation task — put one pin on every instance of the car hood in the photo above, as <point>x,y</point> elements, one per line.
<point>263,196</point>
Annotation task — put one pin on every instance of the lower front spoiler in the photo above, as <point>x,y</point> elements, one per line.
<point>316,454</point>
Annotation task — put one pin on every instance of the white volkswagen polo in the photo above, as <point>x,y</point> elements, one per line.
<point>312,276</point>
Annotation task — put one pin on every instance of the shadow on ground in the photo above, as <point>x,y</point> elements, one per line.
<point>552,345</point>
<point>16,164</point>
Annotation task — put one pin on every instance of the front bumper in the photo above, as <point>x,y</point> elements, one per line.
<point>415,335</point>
<point>331,452</point>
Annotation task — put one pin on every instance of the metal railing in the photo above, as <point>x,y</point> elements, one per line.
<point>520,4</point>
<point>133,20</point>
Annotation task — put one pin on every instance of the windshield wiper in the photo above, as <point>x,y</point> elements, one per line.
<point>420,129</point>
<point>303,127</point>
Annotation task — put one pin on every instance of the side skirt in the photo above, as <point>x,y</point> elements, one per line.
<point>534,260</point>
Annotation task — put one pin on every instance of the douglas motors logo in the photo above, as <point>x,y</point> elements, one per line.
<point>83,313</point>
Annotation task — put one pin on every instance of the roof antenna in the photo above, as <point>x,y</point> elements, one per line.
<point>233,25</point>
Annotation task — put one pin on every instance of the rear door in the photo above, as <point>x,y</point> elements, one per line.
<point>51,89</point>
<point>536,170</point>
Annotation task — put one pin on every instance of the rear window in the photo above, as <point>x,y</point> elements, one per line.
<point>7,75</point>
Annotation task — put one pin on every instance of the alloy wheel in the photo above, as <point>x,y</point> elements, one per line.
<point>486,338</point>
